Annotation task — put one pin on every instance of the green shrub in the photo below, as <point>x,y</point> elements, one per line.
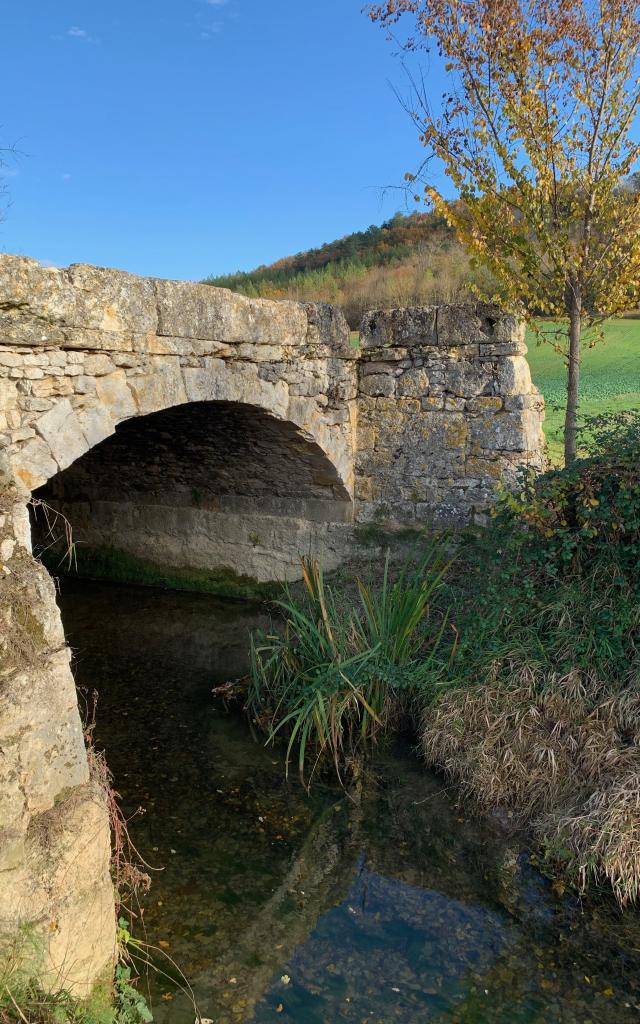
<point>565,519</point>
<point>342,668</point>
<point>554,578</point>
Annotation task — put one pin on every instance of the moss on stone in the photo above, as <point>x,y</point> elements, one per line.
<point>117,566</point>
<point>383,536</point>
<point>22,636</point>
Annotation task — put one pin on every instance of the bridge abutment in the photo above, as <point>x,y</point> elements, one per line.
<point>446,412</point>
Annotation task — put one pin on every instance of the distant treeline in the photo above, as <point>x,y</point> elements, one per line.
<point>408,260</point>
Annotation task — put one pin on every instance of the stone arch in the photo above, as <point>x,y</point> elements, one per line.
<point>51,812</point>
<point>66,432</point>
<point>198,489</point>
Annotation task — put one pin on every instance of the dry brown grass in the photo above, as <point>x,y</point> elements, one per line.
<point>602,836</point>
<point>558,755</point>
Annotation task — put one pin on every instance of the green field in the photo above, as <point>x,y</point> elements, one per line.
<point>610,380</point>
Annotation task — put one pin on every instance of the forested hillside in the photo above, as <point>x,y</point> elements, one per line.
<point>408,260</point>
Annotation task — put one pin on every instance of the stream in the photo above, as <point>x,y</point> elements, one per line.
<point>277,905</point>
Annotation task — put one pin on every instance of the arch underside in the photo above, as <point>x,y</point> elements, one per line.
<point>205,486</point>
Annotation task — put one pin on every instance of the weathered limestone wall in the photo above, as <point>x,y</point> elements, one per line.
<point>446,411</point>
<point>56,896</point>
<point>419,425</point>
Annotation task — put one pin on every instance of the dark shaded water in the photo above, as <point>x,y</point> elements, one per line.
<point>280,906</point>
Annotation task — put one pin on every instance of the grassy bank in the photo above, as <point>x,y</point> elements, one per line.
<point>521,677</point>
<point>540,717</point>
<point>24,1002</point>
<point>24,999</point>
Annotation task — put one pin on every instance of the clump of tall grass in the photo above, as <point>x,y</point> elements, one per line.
<point>344,668</point>
<point>599,840</point>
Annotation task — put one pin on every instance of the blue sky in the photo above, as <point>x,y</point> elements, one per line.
<point>184,137</point>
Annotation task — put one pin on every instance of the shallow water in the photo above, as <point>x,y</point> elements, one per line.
<point>281,906</point>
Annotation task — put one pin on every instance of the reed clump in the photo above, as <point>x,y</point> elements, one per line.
<point>343,668</point>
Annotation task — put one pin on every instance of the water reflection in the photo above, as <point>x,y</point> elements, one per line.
<point>396,908</point>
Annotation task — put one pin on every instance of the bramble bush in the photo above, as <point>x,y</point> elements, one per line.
<point>554,578</point>
<point>568,518</point>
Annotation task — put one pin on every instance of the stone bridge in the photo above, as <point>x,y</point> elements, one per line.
<point>201,430</point>
<point>185,430</point>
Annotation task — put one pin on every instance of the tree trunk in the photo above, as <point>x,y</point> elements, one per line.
<point>573,383</point>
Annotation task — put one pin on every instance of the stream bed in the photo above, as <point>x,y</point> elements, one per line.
<point>400,908</point>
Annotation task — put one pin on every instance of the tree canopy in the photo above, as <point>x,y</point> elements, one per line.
<point>538,133</point>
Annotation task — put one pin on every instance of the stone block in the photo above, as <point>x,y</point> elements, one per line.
<point>84,385</point>
<point>114,393</point>
<point>493,350</point>
<point>378,385</point>
<point>326,326</point>
<point>60,429</point>
<point>98,364</point>
<point>485,403</point>
<point>367,435</point>
<point>432,402</point>
<point>40,302</point>
<point>508,431</point>
<point>43,747</point>
<point>95,423</point>
<point>160,390</point>
<point>8,358</point>
<point>33,463</point>
<point>199,311</point>
<point>407,328</point>
<point>476,324</point>
<point>413,383</point>
<point>465,379</point>
<point>453,404</point>
<point>22,434</point>
<point>514,376</point>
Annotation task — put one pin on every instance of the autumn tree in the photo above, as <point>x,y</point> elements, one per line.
<point>538,132</point>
